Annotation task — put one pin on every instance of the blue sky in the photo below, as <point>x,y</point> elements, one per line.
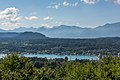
<point>37,13</point>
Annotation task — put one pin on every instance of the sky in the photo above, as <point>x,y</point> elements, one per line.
<point>50,13</point>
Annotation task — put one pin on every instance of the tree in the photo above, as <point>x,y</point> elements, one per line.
<point>66,58</point>
<point>14,67</point>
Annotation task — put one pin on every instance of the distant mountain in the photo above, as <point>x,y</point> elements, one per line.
<point>109,30</point>
<point>64,31</point>
<point>8,34</point>
<point>24,35</point>
<point>30,35</point>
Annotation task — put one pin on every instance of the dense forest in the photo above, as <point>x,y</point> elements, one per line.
<point>13,67</point>
<point>95,46</point>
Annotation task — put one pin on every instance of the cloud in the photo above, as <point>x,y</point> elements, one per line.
<point>89,1</point>
<point>74,4</point>
<point>46,25</point>
<point>54,6</point>
<point>8,13</point>
<point>116,1</point>
<point>10,17</point>
<point>31,18</point>
<point>70,4</point>
<point>66,3</point>
<point>10,24</point>
<point>47,18</point>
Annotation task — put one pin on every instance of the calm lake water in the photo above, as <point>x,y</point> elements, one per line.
<point>51,56</point>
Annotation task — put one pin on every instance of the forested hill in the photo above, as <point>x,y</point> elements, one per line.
<point>24,35</point>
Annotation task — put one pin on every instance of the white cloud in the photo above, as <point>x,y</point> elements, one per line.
<point>54,6</point>
<point>116,1</point>
<point>8,13</point>
<point>66,3</point>
<point>31,18</point>
<point>47,18</point>
<point>89,1</point>
<point>70,4</point>
<point>9,17</point>
<point>46,25</point>
<point>10,24</point>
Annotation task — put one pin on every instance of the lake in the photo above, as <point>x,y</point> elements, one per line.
<point>51,56</point>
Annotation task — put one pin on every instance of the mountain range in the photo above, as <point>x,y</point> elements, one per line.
<point>23,36</point>
<point>64,31</point>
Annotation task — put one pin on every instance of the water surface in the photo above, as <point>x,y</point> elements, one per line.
<point>51,56</point>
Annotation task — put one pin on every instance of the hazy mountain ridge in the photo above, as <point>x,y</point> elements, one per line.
<point>24,35</point>
<point>64,31</point>
<point>31,35</point>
